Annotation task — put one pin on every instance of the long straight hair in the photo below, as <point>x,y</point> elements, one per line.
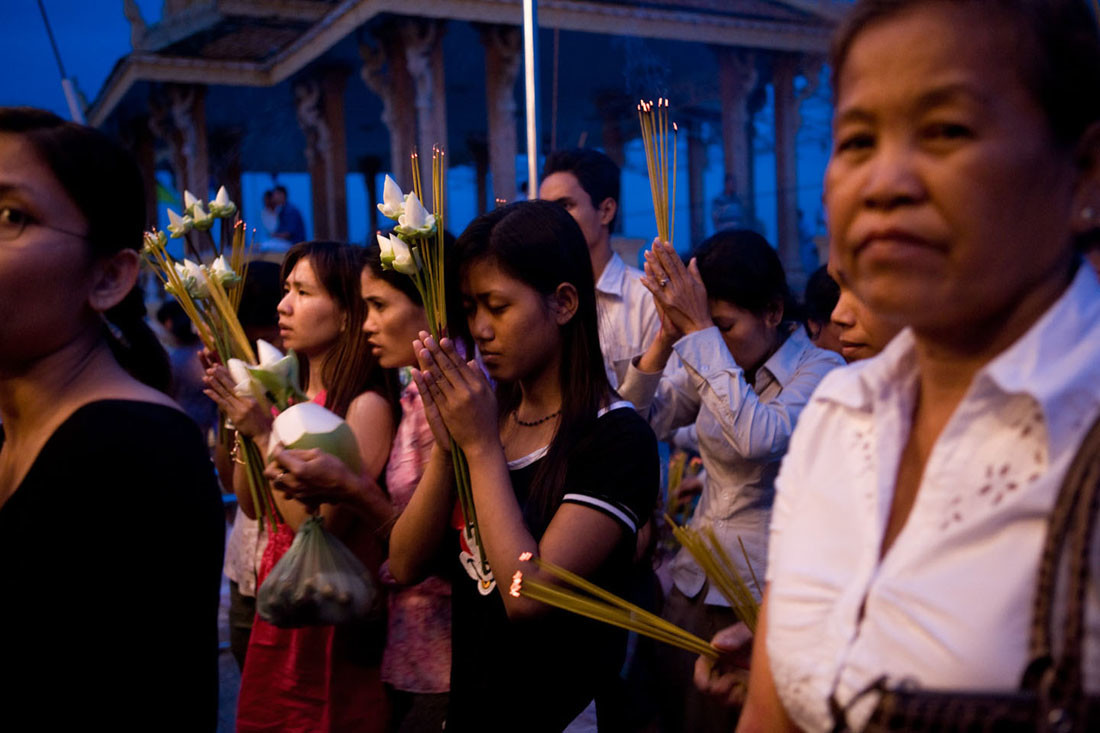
<point>539,244</point>
<point>348,369</point>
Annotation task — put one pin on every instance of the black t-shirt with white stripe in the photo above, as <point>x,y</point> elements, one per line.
<point>540,674</point>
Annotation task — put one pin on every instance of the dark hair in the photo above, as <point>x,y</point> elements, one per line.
<point>740,267</point>
<point>280,188</point>
<point>174,318</point>
<point>1055,45</point>
<point>539,244</point>
<point>106,185</point>
<point>597,173</point>
<point>348,369</point>
<point>261,292</point>
<point>822,294</point>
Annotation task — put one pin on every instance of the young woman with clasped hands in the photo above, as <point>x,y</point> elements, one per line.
<point>557,468</point>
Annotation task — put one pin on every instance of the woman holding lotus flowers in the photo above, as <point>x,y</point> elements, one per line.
<point>322,677</point>
<point>416,664</point>
<point>557,467</point>
<point>111,524</point>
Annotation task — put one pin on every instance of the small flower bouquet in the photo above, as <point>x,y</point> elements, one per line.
<point>416,249</point>
<point>210,295</point>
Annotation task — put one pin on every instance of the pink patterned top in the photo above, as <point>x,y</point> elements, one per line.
<point>418,643</point>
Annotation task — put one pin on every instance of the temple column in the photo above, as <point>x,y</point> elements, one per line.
<point>784,70</point>
<point>424,56</point>
<point>697,165</point>
<point>503,54</point>
<point>479,151</point>
<point>319,103</point>
<point>138,138</point>
<point>179,118</point>
<point>736,79</point>
<point>226,163</point>
<point>385,72</point>
<point>370,165</point>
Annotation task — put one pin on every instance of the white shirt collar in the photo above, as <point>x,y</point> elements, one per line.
<point>611,279</point>
<point>1051,363</point>
<point>783,364</point>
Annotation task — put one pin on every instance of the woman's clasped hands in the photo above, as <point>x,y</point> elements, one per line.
<point>678,292</point>
<point>458,399</point>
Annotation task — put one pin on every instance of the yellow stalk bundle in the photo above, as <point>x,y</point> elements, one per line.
<point>716,563</point>
<point>587,599</point>
<point>653,118</point>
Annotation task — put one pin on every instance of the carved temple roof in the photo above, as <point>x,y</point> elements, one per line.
<point>261,43</point>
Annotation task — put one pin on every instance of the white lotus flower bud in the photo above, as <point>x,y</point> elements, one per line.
<point>221,207</point>
<point>416,221</point>
<point>178,225</point>
<point>393,200</point>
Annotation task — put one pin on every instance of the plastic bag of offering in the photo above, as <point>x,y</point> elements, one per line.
<point>318,582</point>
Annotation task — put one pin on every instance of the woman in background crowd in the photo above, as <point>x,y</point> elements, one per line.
<point>318,678</point>
<point>416,664</point>
<point>743,371</point>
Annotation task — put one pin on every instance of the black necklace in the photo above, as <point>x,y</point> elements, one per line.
<point>533,423</point>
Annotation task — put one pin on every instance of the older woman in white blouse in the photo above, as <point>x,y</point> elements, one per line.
<point>912,505</point>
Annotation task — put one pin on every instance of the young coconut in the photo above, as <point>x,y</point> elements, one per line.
<point>308,425</point>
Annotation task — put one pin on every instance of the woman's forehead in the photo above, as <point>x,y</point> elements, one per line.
<point>932,45</point>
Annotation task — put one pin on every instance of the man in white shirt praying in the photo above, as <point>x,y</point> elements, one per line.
<point>586,183</point>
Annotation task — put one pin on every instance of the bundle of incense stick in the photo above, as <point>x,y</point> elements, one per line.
<point>655,138</point>
<point>598,604</point>
<point>716,563</point>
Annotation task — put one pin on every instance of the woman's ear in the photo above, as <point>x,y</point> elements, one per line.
<point>112,278</point>
<point>564,303</point>
<point>1086,196</point>
<point>773,314</point>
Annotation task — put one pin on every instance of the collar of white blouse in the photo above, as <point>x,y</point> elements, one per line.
<point>1059,386</point>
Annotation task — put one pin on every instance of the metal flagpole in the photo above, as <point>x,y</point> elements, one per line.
<point>75,112</point>
<point>531,84</point>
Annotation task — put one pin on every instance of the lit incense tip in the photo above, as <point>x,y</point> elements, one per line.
<point>517,583</point>
<point>675,128</point>
<point>525,556</point>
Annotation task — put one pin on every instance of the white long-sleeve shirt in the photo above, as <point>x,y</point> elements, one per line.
<point>628,320</point>
<point>742,430</point>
